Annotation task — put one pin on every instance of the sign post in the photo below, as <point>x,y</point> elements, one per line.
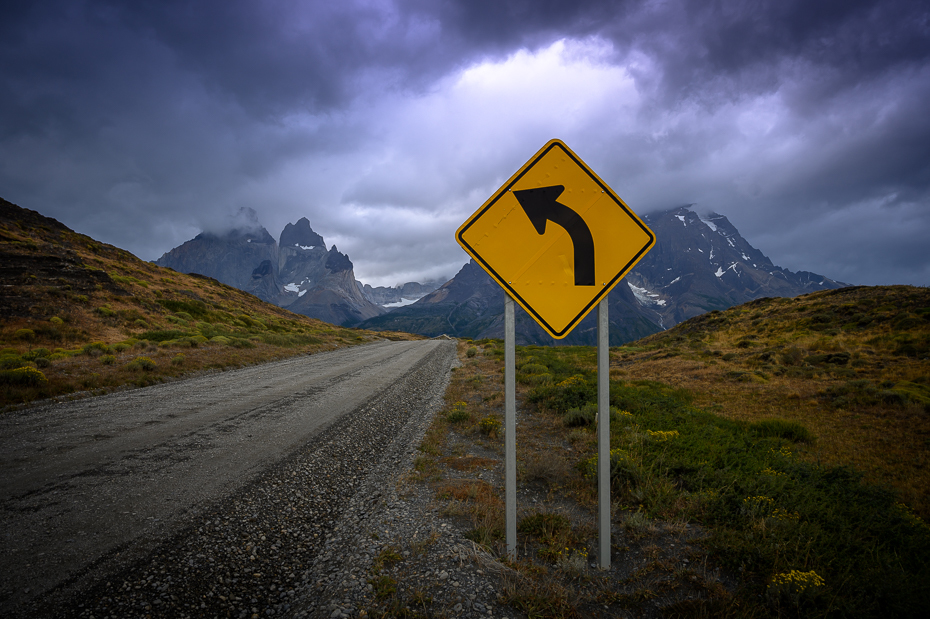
<point>510,428</point>
<point>603,436</point>
<point>557,239</point>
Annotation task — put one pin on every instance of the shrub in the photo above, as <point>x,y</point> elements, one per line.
<point>105,311</point>
<point>792,356</point>
<point>24,377</point>
<point>219,339</point>
<point>122,346</point>
<point>24,334</point>
<point>780,428</point>
<point>55,320</point>
<point>9,362</point>
<point>534,368</point>
<point>574,391</point>
<point>459,413</point>
<point>471,352</point>
<point>95,349</point>
<point>141,363</point>
<point>490,426</point>
<point>178,359</point>
<point>107,359</point>
<point>35,353</point>
<point>141,324</point>
<point>545,526</point>
<point>583,416</point>
<point>42,362</point>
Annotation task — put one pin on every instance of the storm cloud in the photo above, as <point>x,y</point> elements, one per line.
<point>388,123</point>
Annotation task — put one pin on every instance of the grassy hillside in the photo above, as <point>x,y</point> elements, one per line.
<point>766,461</point>
<point>77,315</point>
<point>852,365</point>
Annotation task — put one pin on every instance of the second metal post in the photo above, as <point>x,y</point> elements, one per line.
<point>603,436</point>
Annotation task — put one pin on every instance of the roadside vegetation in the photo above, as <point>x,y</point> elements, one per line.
<point>766,461</point>
<point>83,317</point>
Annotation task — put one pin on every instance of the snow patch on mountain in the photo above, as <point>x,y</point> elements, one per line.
<point>646,297</point>
<point>708,223</point>
<point>403,302</point>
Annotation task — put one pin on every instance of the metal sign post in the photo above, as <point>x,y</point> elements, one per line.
<point>603,436</point>
<point>510,428</point>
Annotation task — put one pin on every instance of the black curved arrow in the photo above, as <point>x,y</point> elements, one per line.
<point>540,206</point>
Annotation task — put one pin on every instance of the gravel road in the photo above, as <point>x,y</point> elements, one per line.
<point>203,497</point>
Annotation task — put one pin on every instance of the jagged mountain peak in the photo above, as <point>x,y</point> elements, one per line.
<point>300,234</point>
<point>243,226</point>
<point>299,274</point>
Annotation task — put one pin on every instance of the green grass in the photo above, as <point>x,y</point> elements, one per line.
<point>779,521</point>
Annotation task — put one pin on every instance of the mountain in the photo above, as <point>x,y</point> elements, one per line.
<point>701,263</point>
<point>471,305</point>
<point>230,256</point>
<point>698,264</point>
<point>297,273</point>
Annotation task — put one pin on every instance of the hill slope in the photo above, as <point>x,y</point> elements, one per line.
<point>79,315</point>
<point>852,365</point>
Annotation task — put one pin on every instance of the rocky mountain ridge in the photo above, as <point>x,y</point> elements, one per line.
<point>700,263</point>
<point>297,272</point>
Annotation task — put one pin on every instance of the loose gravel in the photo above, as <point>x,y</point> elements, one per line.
<point>301,539</point>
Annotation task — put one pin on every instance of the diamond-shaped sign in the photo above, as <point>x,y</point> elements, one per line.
<point>556,238</point>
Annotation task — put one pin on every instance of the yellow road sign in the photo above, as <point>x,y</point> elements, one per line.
<point>556,238</point>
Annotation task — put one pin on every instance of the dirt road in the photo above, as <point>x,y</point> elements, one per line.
<point>90,486</point>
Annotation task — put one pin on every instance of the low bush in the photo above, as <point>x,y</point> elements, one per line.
<point>24,334</point>
<point>23,377</point>
<point>95,349</point>
<point>143,364</point>
<point>546,526</point>
<point>490,426</point>
<point>583,416</point>
<point>9,362</point>
<point>780,428</point>
<point>459,413</point>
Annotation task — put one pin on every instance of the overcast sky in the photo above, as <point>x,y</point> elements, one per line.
<point>387,123</point>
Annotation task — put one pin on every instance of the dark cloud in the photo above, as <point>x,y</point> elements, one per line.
<point>388,122</point>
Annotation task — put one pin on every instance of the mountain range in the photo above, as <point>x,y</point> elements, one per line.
<point>296,272</point>
<point>700,263</point>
